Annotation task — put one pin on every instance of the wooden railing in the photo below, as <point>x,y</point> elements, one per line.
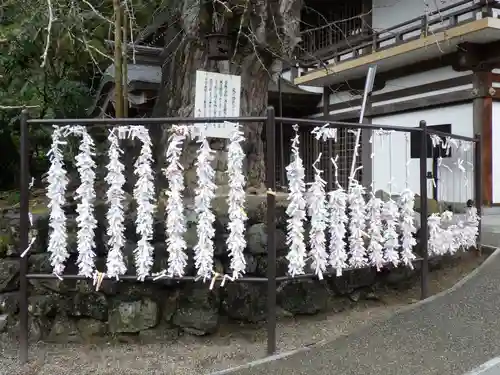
<point>316,51</point>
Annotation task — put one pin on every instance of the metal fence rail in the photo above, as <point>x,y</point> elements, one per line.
<point>270,131</point>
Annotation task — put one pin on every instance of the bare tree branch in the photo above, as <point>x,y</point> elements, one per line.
<point>49,30</point>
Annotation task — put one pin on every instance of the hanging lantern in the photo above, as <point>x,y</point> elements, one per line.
<point>219,46</point>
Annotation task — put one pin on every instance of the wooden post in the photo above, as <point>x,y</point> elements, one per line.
<point>118,60</point>
<point>125,64</point>
<point>482,124</point>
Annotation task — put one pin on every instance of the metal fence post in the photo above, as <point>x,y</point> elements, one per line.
<point>24,224</point>
<point>478,184</point>
<point>271,229</point>
<point>423,211</point>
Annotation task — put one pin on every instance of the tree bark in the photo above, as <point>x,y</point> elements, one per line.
<point>186,55</point>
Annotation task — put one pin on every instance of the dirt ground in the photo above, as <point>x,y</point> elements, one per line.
<point>232,346</point>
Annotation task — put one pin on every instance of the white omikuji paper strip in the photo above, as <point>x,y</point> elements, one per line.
<point>85,196</point>
<point>435,244</point>
<point>471,227</point>
<point>375,248</point>
<point>357,224</point>
<point>338,220</point>
<point>296,212</point>
<point>408,229</point>
<point>57,183</point>
<point>115,198</point>
<point>390,214</point>
<point>204,194</point>
<point>144,192</point>
<point>448,241</point>
<point>318,211</point>
<point>236,242</point>
<point>175,218</point>
<point>460,234</point>
<point>324,133</point>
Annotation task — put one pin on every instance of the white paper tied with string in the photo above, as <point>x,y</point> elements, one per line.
<point>175,217</point>
<point>236,241</point>
<point>435,244</point>
<point>390,214</point>
<point>296,211</point>
<point>337,207</point>
<point>32,234</point>
<point>408,229</point>
<point>471,227</point>
<point>144,195</point>
<point>449,242</point>
<point>317,206</point>
<point>56,192</point>
<point>204,194</point>
<point>115,199</point>
<point>324,133</point>
<point>357,207</point>
<point>338,221</point>
<point>375,248</point>
<point>85,196</point>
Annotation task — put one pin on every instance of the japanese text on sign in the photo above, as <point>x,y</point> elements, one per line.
<point>217,95</point>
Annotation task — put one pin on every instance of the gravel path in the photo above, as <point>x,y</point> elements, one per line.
<point>232,346</point>
<point>449,335</point>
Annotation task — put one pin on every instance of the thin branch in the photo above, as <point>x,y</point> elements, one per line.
<point>224,5</point>
<point>49,30</point>
<point>89,47</point>
<point>97,12</point>
<point>8,107</point>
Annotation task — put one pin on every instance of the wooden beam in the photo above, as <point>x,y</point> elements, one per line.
<point>403,71</point>
<point>327,74</point>
<point>495,77</point>
<point>452,98</point>
<point>487,147</point>
<point>482,124</point>
<point>415,90</point>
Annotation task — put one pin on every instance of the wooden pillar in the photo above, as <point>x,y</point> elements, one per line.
<point>482,124</point>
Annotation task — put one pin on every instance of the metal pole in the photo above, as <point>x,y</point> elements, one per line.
<point>370,80</point>
<point>282,136</point>
<point>271,230</point>
<point>24,233</point>
<point>478,183</point>
<point>423,211</point>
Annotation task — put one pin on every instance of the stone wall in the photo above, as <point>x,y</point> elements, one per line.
<point>73,310</point>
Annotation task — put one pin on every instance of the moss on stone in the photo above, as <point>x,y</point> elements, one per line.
<point>6,244</point>
<point>433,206</point>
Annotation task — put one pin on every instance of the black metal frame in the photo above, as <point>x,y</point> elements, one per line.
<point>270,123</point>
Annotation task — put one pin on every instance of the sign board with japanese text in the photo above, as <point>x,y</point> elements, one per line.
<point>217,95</point>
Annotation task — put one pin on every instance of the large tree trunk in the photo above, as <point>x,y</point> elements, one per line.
<point>187,54</point>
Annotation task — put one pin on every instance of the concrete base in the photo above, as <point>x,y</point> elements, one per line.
<point>489,368</point>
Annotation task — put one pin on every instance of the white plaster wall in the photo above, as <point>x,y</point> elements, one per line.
<point>392,153</point>
<point>495,125</point>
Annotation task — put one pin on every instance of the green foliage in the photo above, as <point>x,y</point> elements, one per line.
<point>53,70</point>
<point>56,86</point>
<point>58,89</point>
